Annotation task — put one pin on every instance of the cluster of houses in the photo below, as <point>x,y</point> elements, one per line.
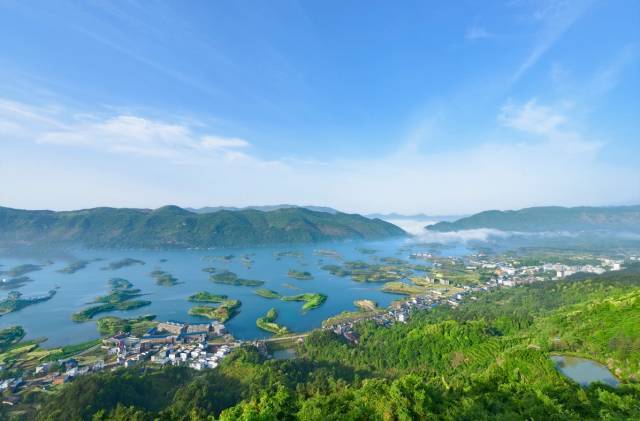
<point>197,356</point>
<point>170,342</point>
<point>54,373</point>
<point>400,312</point>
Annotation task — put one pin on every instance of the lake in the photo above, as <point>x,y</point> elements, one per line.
<point>52,319</point>
<point>584,371</point>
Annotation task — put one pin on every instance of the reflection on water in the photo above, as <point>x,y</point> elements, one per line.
<point>584,371</point>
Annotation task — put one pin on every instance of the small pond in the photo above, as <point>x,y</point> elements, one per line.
<point>284,354</point>
<point>584,371</point>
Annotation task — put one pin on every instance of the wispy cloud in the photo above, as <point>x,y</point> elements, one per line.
<point>548,123</point>
<point>121,133</point>
<point>531,117</point>
<point>476,32</point>
<point>608,76</point>
<point>555,17</point>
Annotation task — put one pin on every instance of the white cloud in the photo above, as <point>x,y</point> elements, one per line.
<point>548,123</point>
<point>217,142</point>
<point>531,117</point>
<point>477,32</point>
<point>121,134</point>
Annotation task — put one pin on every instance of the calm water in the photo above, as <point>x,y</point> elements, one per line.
<point>284,354</point>
<point>52,319</point>
<point>584,371</point>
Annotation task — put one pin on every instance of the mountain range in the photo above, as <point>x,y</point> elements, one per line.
<point>175,227</point>
<point>550,218</point>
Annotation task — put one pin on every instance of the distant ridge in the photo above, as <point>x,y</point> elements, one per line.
<point>174,227</point>
<point>417,216</point>
<point>550,218</point>
<point>264,208</point>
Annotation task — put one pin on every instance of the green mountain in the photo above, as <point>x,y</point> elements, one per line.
<point>174,227</point>
<point>551,218</point>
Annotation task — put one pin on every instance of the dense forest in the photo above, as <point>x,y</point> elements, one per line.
<point>174,227</point>
<point>487,359</point>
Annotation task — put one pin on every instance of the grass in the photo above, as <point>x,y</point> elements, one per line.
<point>226,310</point>
<point>111,325</point>
<point>311,300</point>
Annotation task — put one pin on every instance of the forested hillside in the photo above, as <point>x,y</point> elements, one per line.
<point>174,227</point>
<point>550,218</point>
<point>487,359</point>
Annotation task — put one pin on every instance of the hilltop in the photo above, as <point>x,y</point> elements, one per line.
<point>265,208</point>
<point>550,218</point>
<point>174,227</point>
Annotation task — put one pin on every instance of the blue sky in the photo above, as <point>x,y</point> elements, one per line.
<point>434,107</point>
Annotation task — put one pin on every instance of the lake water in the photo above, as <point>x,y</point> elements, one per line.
<point>584,371</point>
<point>52,319</point>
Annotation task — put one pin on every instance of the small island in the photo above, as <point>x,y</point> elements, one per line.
<point>209,269</point>
<point>14,283</point>
<point>119,264</point>
<point>120,298</point>
<point>366,305</point>
<point>328,253</point>
<point>268,323</point>
<point>299,275</point>
<point>22,270</point>
<point>73,267</point>
<point>207,297</point>
<point>229,278</point>
<point>311,300</point>
<point>364,250</point>
<point>266,293</point>
<point>164,278</point>
<point>226,310</point>
<point>119,283</point>
<point>288,253</point>
<point>247,261</point>
<point>360,271</point>
<point>15,302</point>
